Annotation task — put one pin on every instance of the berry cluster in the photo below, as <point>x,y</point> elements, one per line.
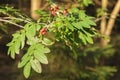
<point>43,31</point>
<point>55,11</point>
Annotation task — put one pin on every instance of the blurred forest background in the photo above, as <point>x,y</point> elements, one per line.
<point>99,61</point>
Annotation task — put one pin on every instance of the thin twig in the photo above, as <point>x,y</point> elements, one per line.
<point>2,20</point>
<point>98,19</point>
<point>13,18</point>
<point>91,69</point>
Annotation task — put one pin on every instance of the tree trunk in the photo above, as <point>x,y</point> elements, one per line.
<point>103,23</point>
<point>107,29</point>
<point>35,5</point>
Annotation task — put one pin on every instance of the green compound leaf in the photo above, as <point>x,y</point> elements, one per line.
<point>38,26</point>
<point>78,25</point>
<point>17,46</point>
<point>70,26</point>
<point>46,50</point>
<point>90,22</point>
<point>82,37</point>
<point>25,56</point>
<point>41,57</point>
<point>89,39</point>
<point>31,49</point>
<point>17,42</point>
<point>47,41</point>
<point>42,49</point>
<point>87,2</point>
<point>24,61</point>
<point>27,70</point>
<point>32,41</point>
<point>12,52</point>
<point>82,14</point>
<point>16,35</point>
<point>22,39</point>
<point>84,24</point>
<point>30,31</point>
<point>36,66</point>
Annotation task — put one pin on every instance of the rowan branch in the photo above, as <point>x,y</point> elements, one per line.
<point>13,18</point>
<point>7,21</point>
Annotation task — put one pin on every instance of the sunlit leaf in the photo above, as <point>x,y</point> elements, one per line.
<point>70,26</point>
<point>12,52</point>
<point>40,48</point>
<point>16,35</point>
<point>22,39</point>
<point>10,44</point>
<point>82,14</point>
<point>30,31</point>
<point>41,57</point>
<point>17,46</point>
<point>9,50</point>
<point>23,62</point>
<point>38,26</point>
<point>82,37</point>
<point>31,49</point>
<point>36,66</point>
<point>84,24</point>
<point>47,41</point>
<point>27,70</point>
<point>25,56</point>
<point>78,25</point>
<point>90,22</point>
<point>89,40</point>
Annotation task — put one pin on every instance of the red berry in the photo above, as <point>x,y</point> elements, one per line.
<point>65,12</point>
<point>43,31</point>
<point>56,7</point>
<point>54,13</point>
<point>52,9</point>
